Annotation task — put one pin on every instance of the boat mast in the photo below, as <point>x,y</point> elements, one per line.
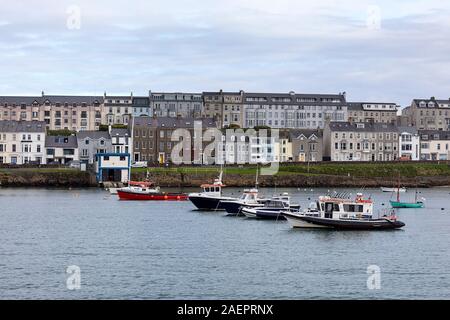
<point>257,172</point>
<point>129,155</point>
<point>398,188</point>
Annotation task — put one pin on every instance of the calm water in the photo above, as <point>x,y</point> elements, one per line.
<point>138,250</point>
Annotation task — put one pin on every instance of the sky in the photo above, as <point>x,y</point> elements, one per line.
<point>377,51</point>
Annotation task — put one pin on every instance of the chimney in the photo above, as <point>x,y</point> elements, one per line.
<point>104,95</point>
<point>109,129</point>
<point>42,94</point>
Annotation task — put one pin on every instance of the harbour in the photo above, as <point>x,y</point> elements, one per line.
<point>170,250</point>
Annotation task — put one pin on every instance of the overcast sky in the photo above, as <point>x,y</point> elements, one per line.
<point>393,50</point>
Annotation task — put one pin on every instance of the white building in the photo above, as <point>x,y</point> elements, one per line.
<point>121,140</point>
<point>112,167</point>
<point>61,149</point>
<point>409,143</point>
<point>22,142</point>
<point>292,111</point>
<point>434,145</point>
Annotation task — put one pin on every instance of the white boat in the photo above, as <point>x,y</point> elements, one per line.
<point>249,198</point>
<point>386,189</point>
<point>272,208</point>
<point>340,212</point>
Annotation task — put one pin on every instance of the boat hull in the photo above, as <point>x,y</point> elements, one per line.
<point>299,221</point>
<point>401,190</point>
<point>405,205</point>
<point>127,195</point>
<point>208,203</point>
<point>235,207</point>
<point>261,213</point>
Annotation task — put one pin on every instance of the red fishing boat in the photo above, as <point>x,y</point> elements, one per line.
<point>148,193</point>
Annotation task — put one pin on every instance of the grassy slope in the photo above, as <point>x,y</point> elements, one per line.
<point>356,170</point>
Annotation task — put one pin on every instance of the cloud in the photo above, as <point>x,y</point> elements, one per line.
<point>255,45</point>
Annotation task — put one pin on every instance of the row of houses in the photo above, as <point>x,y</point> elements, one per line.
<point>151,140</point>
<point>229,109</point>
<point>27,142</point>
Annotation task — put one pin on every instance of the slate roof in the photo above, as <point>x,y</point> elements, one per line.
<point>62,99</point>
<point>437,102</point>
<point>61,142</point>
<point>22,126</point>
<point>116,132</point>
<point>170,122</point>
<point>368,127</point>
<point>294,134</point>
<point>358,106</point>
<point>434,135</point>
<point>94,135</point>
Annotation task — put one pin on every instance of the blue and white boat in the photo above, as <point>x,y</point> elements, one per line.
<point>272,209</point>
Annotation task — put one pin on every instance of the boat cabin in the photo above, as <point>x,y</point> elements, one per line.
<point>250,195</point>
<point>212,189</point>
<point>276,204</point>
<point>338,208</point>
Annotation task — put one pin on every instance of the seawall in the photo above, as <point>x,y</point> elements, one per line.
<point>174,179</point>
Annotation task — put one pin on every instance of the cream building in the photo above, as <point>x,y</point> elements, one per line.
<point>117,109</point>
<point>22,142</point>
<point>364,141</point>
<point>372,112</point>
<point>428,114</point>
<point>434,145</point>
<point>76,113</point>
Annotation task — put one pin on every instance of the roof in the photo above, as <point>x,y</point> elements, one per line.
<point>176,96</point>
<point>53,99</point>
<point>61,142</point>
<point>295,134</point>
<point>170,122</point>
<point>434,135</point>
<point>295,99</point>
<point>94,135</point>
<point>120,132</point>
<point>22,126</point>
<point>411,130</point>
<point>363,127</point>
<point>436,102</point>
<point>358,106</point>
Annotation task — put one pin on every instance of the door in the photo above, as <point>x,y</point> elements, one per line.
<point>161,158</point>
<point>329,210</point>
